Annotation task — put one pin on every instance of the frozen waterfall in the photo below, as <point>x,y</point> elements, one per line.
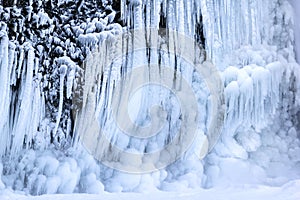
<point>63,74</point>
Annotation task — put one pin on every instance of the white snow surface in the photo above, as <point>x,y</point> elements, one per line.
<point>289,191</point>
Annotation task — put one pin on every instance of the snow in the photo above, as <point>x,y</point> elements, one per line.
<point>289,191</point>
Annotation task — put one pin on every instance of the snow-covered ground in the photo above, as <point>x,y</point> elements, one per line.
<point>289,191</point>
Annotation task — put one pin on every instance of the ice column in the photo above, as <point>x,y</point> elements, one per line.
<point>296,6</point>
<point>4,89</point>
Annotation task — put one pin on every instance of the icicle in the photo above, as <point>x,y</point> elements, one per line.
<point>136,6</point>
<point>260,78</point>
<point>180,17</point>
<point>232,96</point>
<point>246,103</point>
<point>70,80</point>
<point>11,54</point>
<point>36,65</point>
<point>63,71</point>
<point>13,76</point>
<point>36,114</point>
<point>277,71</point>
<point>171,20</point>
<point>4,88</point>
<point>20,61</point>
<point>23,117</point>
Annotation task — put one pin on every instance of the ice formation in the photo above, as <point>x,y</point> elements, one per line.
<point>250,42</point>
<point>296,7</point>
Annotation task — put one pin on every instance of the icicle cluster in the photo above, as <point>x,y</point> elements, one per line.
<point>182,16</point>
<point>42,46</point>
<point>22,102</point>
<point>5,88</point>
<point>229,25</point>
<point>253,96</point>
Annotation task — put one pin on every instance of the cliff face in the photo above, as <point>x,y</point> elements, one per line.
<point>63,64</point>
